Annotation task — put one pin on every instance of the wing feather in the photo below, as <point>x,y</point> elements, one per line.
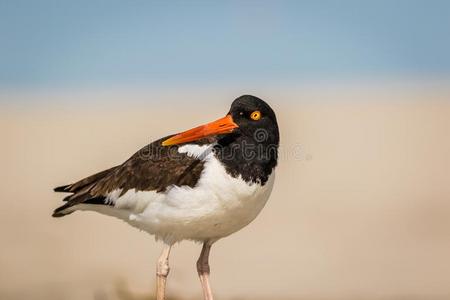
<point>153,168</point>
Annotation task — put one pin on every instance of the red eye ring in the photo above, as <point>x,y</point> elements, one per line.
<point>256,115</point>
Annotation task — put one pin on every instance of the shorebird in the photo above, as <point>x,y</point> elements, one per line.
<point>202,184</point>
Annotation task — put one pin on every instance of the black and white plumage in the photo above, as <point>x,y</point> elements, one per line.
<point>202,184</point>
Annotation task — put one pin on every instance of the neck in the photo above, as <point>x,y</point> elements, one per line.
<point>245,157</point>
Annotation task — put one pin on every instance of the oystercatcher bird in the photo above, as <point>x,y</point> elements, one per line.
<point>202,184</point>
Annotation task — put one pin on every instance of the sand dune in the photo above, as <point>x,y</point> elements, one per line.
<point>360,209</point>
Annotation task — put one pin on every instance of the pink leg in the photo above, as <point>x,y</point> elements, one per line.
<point>162,270</point>
<point>203,271</point>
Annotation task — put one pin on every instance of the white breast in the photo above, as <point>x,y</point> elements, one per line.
<point>217,206</point>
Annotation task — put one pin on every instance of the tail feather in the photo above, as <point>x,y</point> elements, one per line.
<point>62,211</point>
<point>62,188</point>
<point>80,193</point>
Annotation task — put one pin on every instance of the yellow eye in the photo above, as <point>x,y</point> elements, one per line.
<point>256,115</point>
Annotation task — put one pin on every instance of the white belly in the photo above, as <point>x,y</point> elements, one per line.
<point>216,207</point>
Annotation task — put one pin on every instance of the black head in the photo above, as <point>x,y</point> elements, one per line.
<point>245,140</point>
<point>250,150</point>
<point>256,119</point>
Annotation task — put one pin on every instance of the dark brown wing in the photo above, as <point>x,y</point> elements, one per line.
<point>153,168</point>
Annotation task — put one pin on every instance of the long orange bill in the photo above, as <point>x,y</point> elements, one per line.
<point>221,126</point>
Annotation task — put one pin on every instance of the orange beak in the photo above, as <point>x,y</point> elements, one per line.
<point>221,126</point>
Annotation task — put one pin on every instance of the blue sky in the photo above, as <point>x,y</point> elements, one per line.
<point>116,42</point>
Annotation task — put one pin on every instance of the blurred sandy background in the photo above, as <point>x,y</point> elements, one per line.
<point>360,209</point>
